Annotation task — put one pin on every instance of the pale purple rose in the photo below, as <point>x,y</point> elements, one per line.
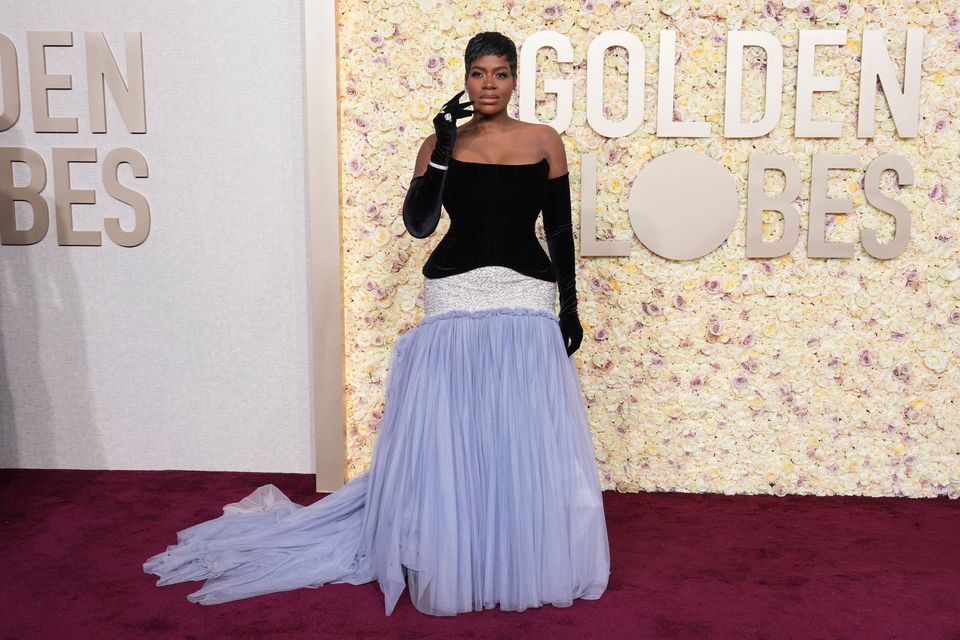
<point>588,5</point>
<point>350,91</point>
<point>897,336</point>
<point>940,125</point>
<point>361,123</point>
<point>601,334</point>
<point>767,267</point>
<point>371,210</point>
<point>715,327</point>
<point>711,285</point>
<point>806,10</point>
<point>613,156</point>
<point>696,383</point>
<point>378,340</point>
<point>770,9</point>
<point>953,23</point>
<point>739,382</point>
<point>912,280</point>
<point>651,308</point>
<point>595,284</point>
<point>938,193</point>
<point>866,358</point>
<point>552,11</point>
<point>375,39</point>
<point>433,63</point>
<point>750,365</point>
<point>749,340</point>
<point>903,373</point>
<point>355,166</point>
<point>954,317</point>
<point>680,302</point>
<point>843,7</point>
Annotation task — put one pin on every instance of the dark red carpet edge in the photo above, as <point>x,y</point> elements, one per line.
<point>683,566</point>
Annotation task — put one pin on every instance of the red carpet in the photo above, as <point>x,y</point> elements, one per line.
<point>683,566</point>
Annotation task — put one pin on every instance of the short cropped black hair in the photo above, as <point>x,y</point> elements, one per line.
<point>490,43</point>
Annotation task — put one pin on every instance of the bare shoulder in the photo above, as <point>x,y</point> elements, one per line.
<point>429,143</point>
<point>552,145</point>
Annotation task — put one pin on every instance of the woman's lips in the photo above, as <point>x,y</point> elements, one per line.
<point>489,99</point>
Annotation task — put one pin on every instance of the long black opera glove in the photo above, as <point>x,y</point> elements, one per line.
<point>558,229</point>
<point>421,205</point>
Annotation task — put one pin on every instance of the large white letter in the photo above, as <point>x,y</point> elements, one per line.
<point>901,217</point>
<point>563,88</point>
<point>41,81</point>
<point>733,127</point>
<point>666,125</point>
<point>807,83</point>
<point>589,244</point>
<point>9,84</point>
<point>103,71</point>
<point>636,81</point>
<point>820,205</point>
<point>904,103</point>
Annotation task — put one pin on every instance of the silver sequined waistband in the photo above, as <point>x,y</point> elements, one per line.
<point>488,287</point>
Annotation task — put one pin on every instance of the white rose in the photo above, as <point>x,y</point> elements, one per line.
<point>951,272</point>
<point>935,360</point>
<point>669,7</point>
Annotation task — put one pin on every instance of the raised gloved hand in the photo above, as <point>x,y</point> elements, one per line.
<point>421,205</point>
<point>445,126</point>
<point>558,229</point>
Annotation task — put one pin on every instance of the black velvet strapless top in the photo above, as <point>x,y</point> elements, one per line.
<point>493,209</point>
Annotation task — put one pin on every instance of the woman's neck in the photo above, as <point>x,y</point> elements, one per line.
<point>493,123</point>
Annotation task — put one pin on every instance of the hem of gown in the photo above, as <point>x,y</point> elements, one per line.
<point>594,593</point>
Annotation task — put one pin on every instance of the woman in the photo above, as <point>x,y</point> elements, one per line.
<point>483,488</point>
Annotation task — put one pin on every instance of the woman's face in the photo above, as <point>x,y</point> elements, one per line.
<point>490,84</point>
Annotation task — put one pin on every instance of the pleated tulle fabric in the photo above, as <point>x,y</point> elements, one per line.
<point>482,491</point>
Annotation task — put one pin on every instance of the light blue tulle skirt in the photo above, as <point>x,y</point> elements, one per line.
<point>483,488</point>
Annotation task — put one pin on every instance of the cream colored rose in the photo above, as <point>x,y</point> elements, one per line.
<point>935,360</point>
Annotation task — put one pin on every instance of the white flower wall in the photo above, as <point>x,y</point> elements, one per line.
<point>722,374</point>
